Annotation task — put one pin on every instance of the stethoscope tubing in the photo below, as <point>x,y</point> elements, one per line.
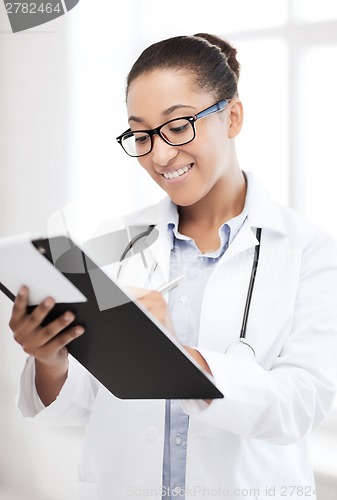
<point>242,339</point>
<point>243,330</point>
<point>129,247</point>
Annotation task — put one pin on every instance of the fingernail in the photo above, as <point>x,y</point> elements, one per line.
<point>22,291</point>
<point>79,330</point>
<point>69,316</point>
<point>48,302</point>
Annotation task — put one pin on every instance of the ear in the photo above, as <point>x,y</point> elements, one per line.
<point>235,118</point>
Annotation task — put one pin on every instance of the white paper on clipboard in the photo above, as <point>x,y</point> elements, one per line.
<point>22,264</point>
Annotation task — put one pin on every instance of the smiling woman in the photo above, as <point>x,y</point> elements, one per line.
<point>184,116</point>
<point>207,155</point>
<point>162,84</point>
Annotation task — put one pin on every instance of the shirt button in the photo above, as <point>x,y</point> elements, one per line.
<point>178,439</point>
<point>183,298</point>
<point>176,490</point>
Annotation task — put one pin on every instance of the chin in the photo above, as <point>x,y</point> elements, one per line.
<point>184,201</point>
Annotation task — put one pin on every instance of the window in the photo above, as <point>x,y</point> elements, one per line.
<point>318,103</point>
<point>286,49</point>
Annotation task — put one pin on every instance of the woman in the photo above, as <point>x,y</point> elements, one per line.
<point>184,114</point>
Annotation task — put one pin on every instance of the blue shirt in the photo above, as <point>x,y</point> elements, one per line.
<point>185,305</point>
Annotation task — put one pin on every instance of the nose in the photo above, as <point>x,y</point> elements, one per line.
<point>162,153</point>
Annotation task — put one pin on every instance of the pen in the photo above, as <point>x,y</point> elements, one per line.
<point>171,284</point>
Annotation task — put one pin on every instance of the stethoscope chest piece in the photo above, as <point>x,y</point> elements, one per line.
<point>241,349</point>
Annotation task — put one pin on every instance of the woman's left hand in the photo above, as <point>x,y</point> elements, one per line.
<point>155,303</point>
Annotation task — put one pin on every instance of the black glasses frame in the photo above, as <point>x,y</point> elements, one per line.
<point>219,106</point>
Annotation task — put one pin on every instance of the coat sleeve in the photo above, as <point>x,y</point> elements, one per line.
<point>73,404</point>
<point>285,403</point>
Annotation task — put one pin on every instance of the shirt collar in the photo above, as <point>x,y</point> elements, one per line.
<point>260,210</point>
<point>234,224</point>
<point>172,223</point>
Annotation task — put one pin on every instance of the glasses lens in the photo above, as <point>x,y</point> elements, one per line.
<point>136,144</point>
<point>178,131</point>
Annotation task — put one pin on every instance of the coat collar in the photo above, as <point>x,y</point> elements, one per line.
<point>261,209</point>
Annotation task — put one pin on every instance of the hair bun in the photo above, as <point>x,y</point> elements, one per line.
<point>226,48</point>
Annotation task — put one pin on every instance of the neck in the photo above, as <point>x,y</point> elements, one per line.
<point>225,201</point>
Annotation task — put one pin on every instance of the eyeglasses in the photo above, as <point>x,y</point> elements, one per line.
<point>175,132</point>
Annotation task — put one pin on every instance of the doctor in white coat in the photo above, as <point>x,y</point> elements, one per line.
<point>184,114</point>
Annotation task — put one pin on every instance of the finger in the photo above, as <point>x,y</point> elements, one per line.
<point>20,307</point>
<point>156,307</point>
<point>24,332</point>
<point>153,301</point>
<point>137,292</point>
<point>46,334</point>
<point>60,341</point>
<point>39,313</point>
<point>152,297</point>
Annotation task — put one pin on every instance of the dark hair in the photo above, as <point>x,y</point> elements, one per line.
<point>210,59</point>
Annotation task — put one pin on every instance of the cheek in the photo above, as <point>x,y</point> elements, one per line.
<point>210,144</point>
<point>209,154</point>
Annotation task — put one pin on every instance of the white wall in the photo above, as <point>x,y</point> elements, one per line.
<point>35,463</point>
<point>54,92</point>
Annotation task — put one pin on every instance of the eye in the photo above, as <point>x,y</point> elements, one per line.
<point>179,128</point>
<point>141,138</point>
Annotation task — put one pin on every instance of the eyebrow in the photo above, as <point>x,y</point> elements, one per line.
<point>166,112</point>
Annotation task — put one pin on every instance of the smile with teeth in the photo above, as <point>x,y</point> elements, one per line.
<point>177,173</point>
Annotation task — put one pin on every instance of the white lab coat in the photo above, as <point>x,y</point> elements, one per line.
<point>254,442</point>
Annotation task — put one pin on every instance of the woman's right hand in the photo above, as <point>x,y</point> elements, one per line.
<point>46,344</point>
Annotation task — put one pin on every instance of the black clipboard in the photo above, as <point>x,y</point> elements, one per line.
<point>122,347</point>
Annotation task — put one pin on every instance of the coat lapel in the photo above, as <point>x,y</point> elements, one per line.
<point>155,259</point>
<point>244,240</point>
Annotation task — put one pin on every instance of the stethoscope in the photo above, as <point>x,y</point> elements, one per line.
<point>129,247</point>
<point>240,347</point>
